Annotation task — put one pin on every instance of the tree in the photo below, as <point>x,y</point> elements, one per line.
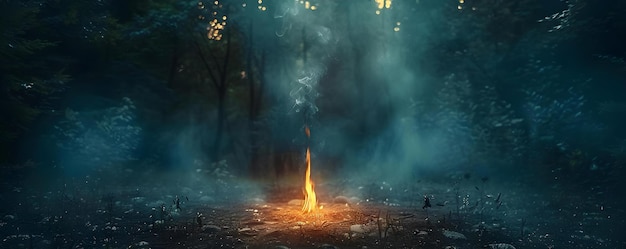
<point>30,75</point>
<point>202,50</point>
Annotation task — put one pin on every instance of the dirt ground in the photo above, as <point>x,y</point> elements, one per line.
<point>89,213</point>
<point>336,225</point>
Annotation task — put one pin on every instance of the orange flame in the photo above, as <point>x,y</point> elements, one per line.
<point>310,200</point>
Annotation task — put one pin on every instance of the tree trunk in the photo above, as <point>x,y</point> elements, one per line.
<point>252,109</point>
<point>221,104</point>
<point>221,115</point>
<point>173,69</point>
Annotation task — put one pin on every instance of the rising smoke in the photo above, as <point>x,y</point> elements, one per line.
<point>387,90</point>
<point>344,68</point>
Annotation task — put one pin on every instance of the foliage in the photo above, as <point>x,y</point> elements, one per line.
<point>165,30</point>
<point>619,154</point>
<point>551,116</point>
<point>100,136</point>
<point>204,71</point>
<point>474,126</point>
<point>453,112</point>
<point>497,85</point>
<point>30,78</point>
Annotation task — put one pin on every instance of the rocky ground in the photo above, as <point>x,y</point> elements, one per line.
<point>194,212</point>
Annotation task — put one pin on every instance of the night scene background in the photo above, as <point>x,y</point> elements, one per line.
<point>430,123</point>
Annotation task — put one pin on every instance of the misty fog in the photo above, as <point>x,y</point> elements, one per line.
<point>508,115</point>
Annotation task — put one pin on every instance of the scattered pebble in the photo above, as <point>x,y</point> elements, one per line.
<point>328,246</point>
<point>254,223</point>
<point>453,234</point>
<point>258,200</point>
<point>359,228</point>
<point>155,203</point>
<point>143,243</point>
<point>206,199</point>
<point>280,247</point>
<point>210,228</point>
<point>341,200</point>
<point>355,199</point>
<point>139,199</point>
<point>247,231</point>
<point>501,246</point>
<point>295,202</point>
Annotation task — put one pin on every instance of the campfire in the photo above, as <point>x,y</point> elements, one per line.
<point>339,219</point>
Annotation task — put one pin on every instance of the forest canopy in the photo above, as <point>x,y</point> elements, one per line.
<point>422,85</point>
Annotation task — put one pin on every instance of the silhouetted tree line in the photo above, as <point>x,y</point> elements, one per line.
<point>501,75</point>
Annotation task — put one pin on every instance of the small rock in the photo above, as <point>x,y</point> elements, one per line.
<point>453,234</point>
<point>206,199</point>
<point>328,246</point>
<point>341,200</point>
<point>9,217</point>
<point>295,202</point>
<point>155,203</point>
<point>258,200</point>
<point>254,223</point>
<point>280,247</point>
<point>355,199</point>
<point>359,228</point>
<point>501,246</point>
<point>210,228</point>
<point>143,243</point>
<point>247,231</point>
<point>139,199</point>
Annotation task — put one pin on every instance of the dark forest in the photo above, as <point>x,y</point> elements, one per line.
<point>312,124</point>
